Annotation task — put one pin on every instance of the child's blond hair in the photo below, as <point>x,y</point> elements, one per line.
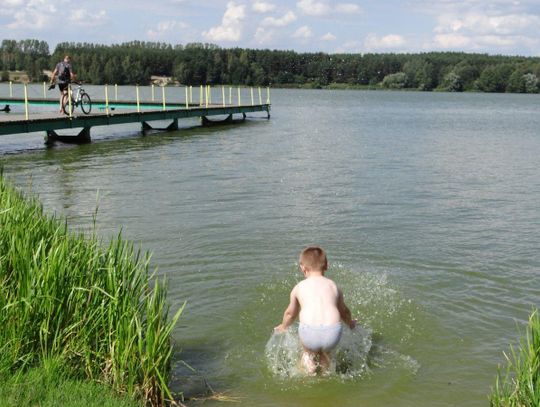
<point>314,258</point>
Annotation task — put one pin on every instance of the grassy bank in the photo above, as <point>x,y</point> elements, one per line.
<point>94,310</point>
<point>519,385</point>
<point>50,385</point>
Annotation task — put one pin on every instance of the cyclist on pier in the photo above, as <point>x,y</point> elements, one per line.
<point>65,75</point>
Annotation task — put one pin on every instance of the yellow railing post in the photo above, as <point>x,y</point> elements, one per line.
<point>163,96</point>
<point>187,98</point>
<point>260,96</point>
<point>69,99</point>
<point>153,95</point>
<point>252,100</point>
<point>26,101</point>
<point>10,89</point>
<point>44,91</point>
<point>268,95</point>
<point>223,94</point>
<point>190,94</point>
<point>201,101</point>
<point>138,101</point>
<point>207,95</point>
<point>230,95</point>
<point>239,102</point>
<point>116,92</point>
<point>107,99</point>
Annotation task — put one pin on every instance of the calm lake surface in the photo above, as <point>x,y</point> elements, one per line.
<point>428,205</point>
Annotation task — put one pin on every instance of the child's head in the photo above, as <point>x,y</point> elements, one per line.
<point>313,258</point>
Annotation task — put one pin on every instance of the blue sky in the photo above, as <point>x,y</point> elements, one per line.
<point>488,26</point>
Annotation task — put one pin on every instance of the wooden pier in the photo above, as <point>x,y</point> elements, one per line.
<point>110,113</point>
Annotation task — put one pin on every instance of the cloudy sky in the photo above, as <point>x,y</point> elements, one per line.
<point>492,26</point>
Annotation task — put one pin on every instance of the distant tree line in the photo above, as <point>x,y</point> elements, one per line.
<point>195,64</point>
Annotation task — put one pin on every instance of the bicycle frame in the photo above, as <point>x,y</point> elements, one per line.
<point>75,99</point>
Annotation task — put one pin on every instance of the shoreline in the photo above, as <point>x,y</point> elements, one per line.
<point>21,77</point>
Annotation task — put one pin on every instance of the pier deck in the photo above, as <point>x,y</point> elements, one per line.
<point>119,112</point>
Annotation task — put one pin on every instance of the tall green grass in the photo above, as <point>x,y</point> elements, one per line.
<point>519,386</point>
<point>66,296</point>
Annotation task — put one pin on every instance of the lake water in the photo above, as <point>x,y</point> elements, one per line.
<point>428,205</point>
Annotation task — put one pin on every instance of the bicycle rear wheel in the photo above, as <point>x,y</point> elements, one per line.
<point>65,104</point>
<point>86,103</point>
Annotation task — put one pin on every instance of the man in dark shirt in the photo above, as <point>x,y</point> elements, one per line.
<point>64,75</point>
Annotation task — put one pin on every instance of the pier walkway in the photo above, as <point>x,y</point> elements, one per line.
<point>13,121</point>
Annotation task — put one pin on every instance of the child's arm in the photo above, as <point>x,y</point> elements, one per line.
<point>344,311</point>
<point>290,313</point>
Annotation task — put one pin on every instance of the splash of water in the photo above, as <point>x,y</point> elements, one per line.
<point>349,359</point>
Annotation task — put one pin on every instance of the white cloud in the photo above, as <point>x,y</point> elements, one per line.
<point>303,32</point>
<point>391,41</point>
<point>347,8</point>
<point>313,8</point>
<point>288,18</point>
<point>44,15</point>
<point>164,28</point>
<point>84,18</point>
<point>475,30</point>
<point>264,35</point>
<point>30,15</point>
<point>231,24</point>
<point>452,40</point>
<point>323,8</point>
<point>262,7</point>
<point>487,25</point>
<point>13,3</point>
<point>328,37</point>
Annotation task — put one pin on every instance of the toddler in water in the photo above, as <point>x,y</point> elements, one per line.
<point>319,304</point>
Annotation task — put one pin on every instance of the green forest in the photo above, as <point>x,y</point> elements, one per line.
<point>207,64</point>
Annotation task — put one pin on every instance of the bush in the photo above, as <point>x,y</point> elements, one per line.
<point>395,81</point>
<point>452,83</point>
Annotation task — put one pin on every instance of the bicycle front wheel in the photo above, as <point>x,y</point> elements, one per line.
<point>65,104</point>
<point>86,103</point>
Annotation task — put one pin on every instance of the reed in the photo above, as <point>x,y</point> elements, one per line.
<point>67,296</point>
<point>519,386</point>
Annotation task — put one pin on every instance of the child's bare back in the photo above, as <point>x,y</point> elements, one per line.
<point>318,297</point>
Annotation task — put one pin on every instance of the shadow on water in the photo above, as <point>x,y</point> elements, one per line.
<point>127,138</point>
<point>197,369</point>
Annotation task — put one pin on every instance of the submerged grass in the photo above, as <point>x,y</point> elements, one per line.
<point>64,296</point>
<point>520,384</point>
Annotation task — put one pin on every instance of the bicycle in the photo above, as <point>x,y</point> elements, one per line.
<point>79,97</point>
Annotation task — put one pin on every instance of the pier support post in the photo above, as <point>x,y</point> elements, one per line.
<point>207,122</point>
<point>171,127</point>
<point>82,138</point>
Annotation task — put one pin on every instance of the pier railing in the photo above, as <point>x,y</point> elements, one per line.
<point>106,97</point>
